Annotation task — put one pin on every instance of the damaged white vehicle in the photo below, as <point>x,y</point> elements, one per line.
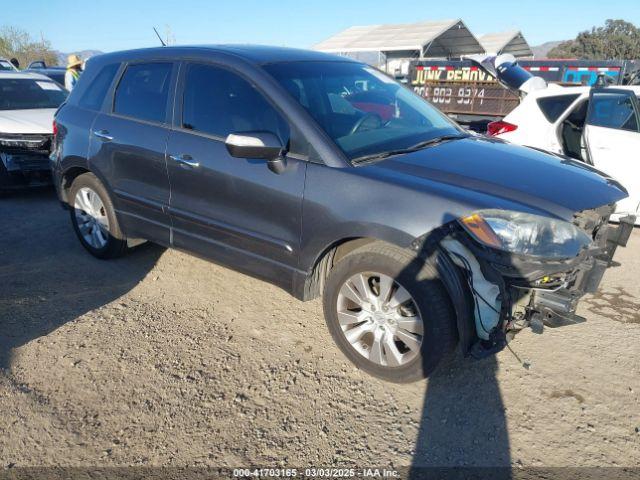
<point>27,104</point>
<point>597,125</point>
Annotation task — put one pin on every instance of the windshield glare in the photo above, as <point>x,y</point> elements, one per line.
<point>361,109</point>
<point>25,93</point>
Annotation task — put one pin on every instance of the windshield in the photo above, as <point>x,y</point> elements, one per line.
<point>365,112</point>
<point>5,65</point>
<point>27,93</point>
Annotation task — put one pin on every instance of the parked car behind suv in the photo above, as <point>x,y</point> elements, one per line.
<point>599,126</point>
<point>27,104</point>
<point>54,73</point>
<point>323,176</point>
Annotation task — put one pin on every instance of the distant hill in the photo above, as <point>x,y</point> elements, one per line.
<point>84,54</point>
<point>540,51</point>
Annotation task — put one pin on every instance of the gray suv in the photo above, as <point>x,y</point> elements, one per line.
<point>324,176</point>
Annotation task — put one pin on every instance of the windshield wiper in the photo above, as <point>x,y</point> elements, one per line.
<point>381,155</point>
<point>418,146</point>
<point>437,140</point>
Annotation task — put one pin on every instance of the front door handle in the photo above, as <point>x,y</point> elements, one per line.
<point>186,160</point>
<point>103,135</point>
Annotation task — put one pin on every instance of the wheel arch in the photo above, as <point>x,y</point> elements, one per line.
<point>67,178</point>
<point>310,286</point>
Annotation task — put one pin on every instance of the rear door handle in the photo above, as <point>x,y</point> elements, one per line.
<point>103,135</point>
<point>186,160</point>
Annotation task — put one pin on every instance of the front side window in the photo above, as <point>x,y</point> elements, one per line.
<point>143,91</point>
<point>362,110</point>
<point>219,102</point>
<point>27,93</point>
<point>613,110</point>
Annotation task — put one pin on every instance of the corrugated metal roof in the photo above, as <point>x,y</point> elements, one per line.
<point>442,38</point>
<point>512,42</point>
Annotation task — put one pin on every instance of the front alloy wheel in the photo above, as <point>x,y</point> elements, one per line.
<point>388,311</point>
<point>379,319</point>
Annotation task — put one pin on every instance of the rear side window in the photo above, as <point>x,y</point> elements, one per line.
<point>553,107</point>
<point>143,92</point>
<point>93,96</point>
<point>219,102</point>
<point>613,110</point>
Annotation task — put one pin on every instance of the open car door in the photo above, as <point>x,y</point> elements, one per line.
<point>612,139</point>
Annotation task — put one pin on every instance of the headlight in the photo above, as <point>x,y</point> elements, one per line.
<point>22,141</point>
<point>526,234</point>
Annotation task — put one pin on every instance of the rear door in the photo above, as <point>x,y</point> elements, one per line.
<point>612,137</point>
<point>233,210</point>
<point>128,147</point>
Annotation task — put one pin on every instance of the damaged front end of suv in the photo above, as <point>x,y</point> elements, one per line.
<point>514,270</point>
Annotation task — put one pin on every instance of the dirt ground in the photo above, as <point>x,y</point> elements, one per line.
<point>160,358</point>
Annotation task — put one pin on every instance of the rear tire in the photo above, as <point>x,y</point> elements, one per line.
<point>402,291</point>
<point>94,219</point>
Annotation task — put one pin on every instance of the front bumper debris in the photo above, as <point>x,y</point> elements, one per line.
<point>556,308</point>
<point>531,292</point>
<point>25,166</point>
<point>18,171</point>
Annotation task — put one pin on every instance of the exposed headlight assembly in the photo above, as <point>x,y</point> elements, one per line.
<point>526,234</point>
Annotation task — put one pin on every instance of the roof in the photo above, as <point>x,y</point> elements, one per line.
<point>512,42</point>
<point>447,38</point>
<point>23,75</point>
<point>253,53</point>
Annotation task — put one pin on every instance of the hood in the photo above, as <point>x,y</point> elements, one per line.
<point>520,175</point>
<point>37,120</point>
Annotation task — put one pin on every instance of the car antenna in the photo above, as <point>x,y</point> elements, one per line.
<point>159,37</point>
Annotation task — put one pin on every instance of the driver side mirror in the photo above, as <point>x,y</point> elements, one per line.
<point>262,145</point>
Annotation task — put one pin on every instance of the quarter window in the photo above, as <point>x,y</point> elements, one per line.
<point>219,102</point>
<point>553,107</point>
<point>143,91</point>
<point>94,94</point>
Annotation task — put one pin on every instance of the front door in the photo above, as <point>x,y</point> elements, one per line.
<point>232,210</point>
<point>128,147</point>
<point>612,137</point>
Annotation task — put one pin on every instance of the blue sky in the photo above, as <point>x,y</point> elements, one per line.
<point>116,24</point>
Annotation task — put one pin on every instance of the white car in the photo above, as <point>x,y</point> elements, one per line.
<point>597,125</point>
<point>27,104</point>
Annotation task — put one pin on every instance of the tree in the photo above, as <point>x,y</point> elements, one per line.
<point>17,43</point>
<point>617,40</point>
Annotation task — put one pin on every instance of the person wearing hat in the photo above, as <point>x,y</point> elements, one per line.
<point>71,77</point>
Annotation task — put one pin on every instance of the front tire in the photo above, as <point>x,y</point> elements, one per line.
<point>389,313</point>
<point>94,219</point>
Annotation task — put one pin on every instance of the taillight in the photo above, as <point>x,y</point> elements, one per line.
<point>500,127</point>
<point>55,128</point>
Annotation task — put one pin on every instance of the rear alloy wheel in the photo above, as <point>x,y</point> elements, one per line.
<point>94,219</point>
<point>388,311</point>
<point>91,218</point>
